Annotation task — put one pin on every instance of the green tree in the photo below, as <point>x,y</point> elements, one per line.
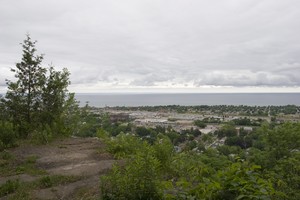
<point>24,96</point>
<point>54,94</point>
<point>241,181</point>
<point>200,123</point>
<point>3,110</point>
<point>59,107</point>
<point>38,101</point>
<point>283,140</point>
<point>228,130</point>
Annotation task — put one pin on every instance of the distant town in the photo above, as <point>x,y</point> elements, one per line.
<point>183,117</point>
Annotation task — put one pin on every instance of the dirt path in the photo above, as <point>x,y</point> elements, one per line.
<point>78,157</point>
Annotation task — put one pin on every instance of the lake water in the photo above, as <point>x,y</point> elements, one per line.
<point>251,99</point>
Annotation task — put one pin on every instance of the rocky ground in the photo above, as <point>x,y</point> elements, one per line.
<point>65,169</point>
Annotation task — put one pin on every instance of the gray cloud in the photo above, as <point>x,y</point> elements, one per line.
<point>245,78</point>
<point>155,43</point>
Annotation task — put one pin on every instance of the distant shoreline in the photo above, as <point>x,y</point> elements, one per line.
<point>187,99</point>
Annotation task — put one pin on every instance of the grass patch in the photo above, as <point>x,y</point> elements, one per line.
<point>55,180</point>
<point>86,193</point>
<point>21,194</point>
<point>29,167</point>
<point>5,158</point>
<point>22,190</point>
<point>11,166</point>
<point>9,187</point>
<point>5,155</point>
<point>31,159</point>
<point>6,163</point>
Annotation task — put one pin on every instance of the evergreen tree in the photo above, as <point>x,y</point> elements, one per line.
<point>24,96</point>
<point>39,98</point>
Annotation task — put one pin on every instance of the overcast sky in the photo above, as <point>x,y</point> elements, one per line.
<point>159,45</point>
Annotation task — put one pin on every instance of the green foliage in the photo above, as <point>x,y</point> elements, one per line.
<point>279,157</point>
<point>163,151</point>
<point>188,167</point>
<point>212,120</point>
<point>54,180</point>
<point>3,110</point>
<point>190,145</point>
<point>102,134</point>
<point>124,145</point>
<point>173,136</point>
<point>229,150</point>
<point>243,142</point>
<point>142,131</point>
<point>22,190</point>
<point>23,98</point>
<point>213,159</point>
<point>139,179</point>
<point>262,164</point>
<point>7,135</point>
<point>38,102</point>
<point>71,116</point>
<point>41,136</point>
<point>200,124</point>
<point>10,166</point>
<point>287,176</point>
<point>228,130</point>
<point>237,181</point>
<point>211,174</point>
<point>29,167</point>
<point>89,122</point>
<point>245,122</point>
<point>45,182</point>
<point>191,133</point>
<point>114,128</point>
<point>283,140</point>
<point>241,181</point>
<point>54,94</point>
<point>5,155</point>
<point>9,187</point>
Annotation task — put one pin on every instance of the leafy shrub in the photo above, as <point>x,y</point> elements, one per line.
<point>139,179</point>
<point>200,123</point>
<point>42,136</point>
<point>123,145</point>
<point>164,151</point>
<point>241,181</point>
<point>7,135</point>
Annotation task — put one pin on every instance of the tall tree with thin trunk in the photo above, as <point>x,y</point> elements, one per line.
<point>24,96</point>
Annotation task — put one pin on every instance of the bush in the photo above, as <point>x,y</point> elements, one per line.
<point>164,151</point>
<point>200,124</point>
<point>124,145</point>
<point>138,180</point>
<point>42,136</point>
<point>241,181</point>
<point>7,135</point>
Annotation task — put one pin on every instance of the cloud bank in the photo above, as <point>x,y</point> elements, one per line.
<point>159,44</point>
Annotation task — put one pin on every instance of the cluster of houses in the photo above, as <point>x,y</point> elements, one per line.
<point>176,121</point>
